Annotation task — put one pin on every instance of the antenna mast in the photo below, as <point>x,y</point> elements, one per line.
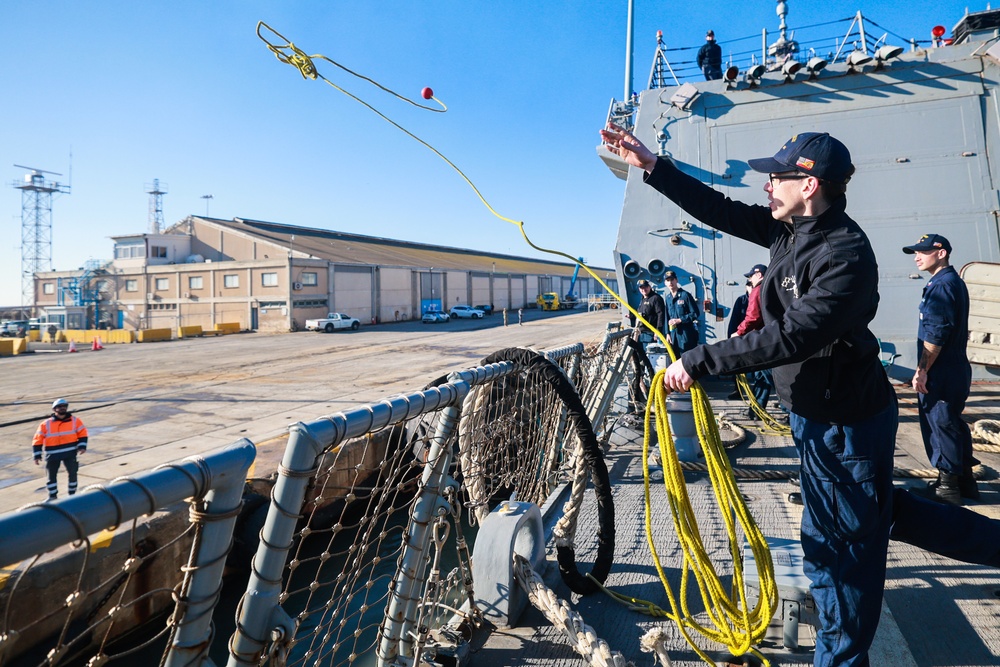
<point>155,205</point>
<point>36,227</point>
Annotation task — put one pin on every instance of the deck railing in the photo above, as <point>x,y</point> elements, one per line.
<point>364,549</point>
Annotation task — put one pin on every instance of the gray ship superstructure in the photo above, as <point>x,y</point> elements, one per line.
<point>922,126</point>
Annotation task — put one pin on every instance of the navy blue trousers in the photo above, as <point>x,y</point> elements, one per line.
<point>762,384</point>
<point>947,438</point>
<point>846,483</point>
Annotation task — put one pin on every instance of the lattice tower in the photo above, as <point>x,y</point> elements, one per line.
<point>36,227</point>
<point>156,205</point>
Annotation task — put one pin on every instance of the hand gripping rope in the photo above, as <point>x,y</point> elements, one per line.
<point>732,623</point>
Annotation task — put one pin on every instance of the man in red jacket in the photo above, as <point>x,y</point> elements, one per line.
<point>760,380</point>
<point>58,440</point>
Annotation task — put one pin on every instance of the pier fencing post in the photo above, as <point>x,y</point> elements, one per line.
<point>396,631</point>
<point>202,584</point>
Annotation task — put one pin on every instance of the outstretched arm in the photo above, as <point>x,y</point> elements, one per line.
<point>627,147</point>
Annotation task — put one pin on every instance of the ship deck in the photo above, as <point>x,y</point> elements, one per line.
<point>936,611</point>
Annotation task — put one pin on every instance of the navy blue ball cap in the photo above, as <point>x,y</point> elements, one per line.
<point>813,153</point>
<point>927,243</point>
<point>756,267</point>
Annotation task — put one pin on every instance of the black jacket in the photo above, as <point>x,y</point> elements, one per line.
<point>739,312</point>
<point>710,55</point>
<point>818,296</point>
<point>652,309</point>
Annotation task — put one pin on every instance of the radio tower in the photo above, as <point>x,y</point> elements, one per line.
<point>36,227</point>
<point>155,205</point>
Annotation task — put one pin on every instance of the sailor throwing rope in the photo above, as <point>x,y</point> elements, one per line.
<point>818,297</point>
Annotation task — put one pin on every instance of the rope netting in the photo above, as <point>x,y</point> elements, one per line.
<point>125,575</point>
<point>354,547</point>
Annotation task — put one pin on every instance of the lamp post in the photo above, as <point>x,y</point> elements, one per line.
<point>207,198</point>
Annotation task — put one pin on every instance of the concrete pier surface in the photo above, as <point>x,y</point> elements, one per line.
<point>151,403</point>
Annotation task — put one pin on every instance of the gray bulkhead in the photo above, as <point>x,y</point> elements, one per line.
<point>921,132</point>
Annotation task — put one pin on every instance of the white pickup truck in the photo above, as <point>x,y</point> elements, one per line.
<point>333,321</point>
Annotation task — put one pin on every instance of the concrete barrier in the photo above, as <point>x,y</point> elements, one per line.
<point>223,329</point>
<point>152,335</point>
<point>81,336</point>
<point>189,332</point>
<point>7,347</point>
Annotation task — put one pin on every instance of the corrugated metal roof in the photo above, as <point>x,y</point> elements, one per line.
<point>354,248</point>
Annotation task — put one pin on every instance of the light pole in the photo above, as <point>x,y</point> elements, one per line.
<point>207,198</point>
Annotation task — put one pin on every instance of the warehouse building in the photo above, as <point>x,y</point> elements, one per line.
<point>272,277</point>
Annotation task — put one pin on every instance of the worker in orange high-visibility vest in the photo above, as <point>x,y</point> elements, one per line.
<point>58,440</point>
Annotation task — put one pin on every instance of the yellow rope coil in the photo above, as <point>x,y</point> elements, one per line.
<point>734,625</point>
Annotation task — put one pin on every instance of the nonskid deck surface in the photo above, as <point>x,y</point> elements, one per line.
<point>937,612</point>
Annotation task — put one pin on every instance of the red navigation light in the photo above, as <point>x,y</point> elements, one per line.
<point>938,31</point>
<point>427,93</point>
<point>659,34</point>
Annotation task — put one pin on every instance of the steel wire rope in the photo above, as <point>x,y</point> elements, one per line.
<point>723,482</point>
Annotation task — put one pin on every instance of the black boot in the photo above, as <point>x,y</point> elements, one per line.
<point>967,485</point>
<point>945,490</point>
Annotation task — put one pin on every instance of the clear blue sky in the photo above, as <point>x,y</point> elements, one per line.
<point>183,91</point>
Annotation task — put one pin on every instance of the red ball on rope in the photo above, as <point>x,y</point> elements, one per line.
<point>427,93</point>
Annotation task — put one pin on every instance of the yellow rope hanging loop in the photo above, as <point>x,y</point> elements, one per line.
<point>770,424</point>
<point>734,625</point>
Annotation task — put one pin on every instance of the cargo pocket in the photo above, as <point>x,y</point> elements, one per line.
<point>847,500</point>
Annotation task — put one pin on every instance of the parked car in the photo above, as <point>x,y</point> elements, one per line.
<point>485,308</point>
<point>12,327</point>
<point>466,312</point>
<point>435,317</point>
<point>333,321</point>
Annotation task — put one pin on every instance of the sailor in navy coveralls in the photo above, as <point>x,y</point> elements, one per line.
<point>943,373</point>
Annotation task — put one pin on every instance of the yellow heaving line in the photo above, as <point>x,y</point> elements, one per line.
<point>732,623</point>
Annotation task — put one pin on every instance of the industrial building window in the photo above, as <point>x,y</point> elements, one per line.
<point>273,304</point>
<point>196,282</point>
<point>49,288</point>
<point>157,251</point>
<point>131,285</point>
<point>162,283</point>
<point>269,279</point>
<point>309,278</point>
<point>310,303</point>
<point>129,251</point>
<point>231,280</point>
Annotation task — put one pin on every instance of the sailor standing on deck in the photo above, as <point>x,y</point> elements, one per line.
<point>818,297</point>
<point>652,308</point>
<point>682,315</point>
<point>710,58</point>
<point>58,440</point>
<point>944,374</point>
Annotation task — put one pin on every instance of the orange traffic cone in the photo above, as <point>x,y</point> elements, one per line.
<point>72,346</point>
<point>97,345</point>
